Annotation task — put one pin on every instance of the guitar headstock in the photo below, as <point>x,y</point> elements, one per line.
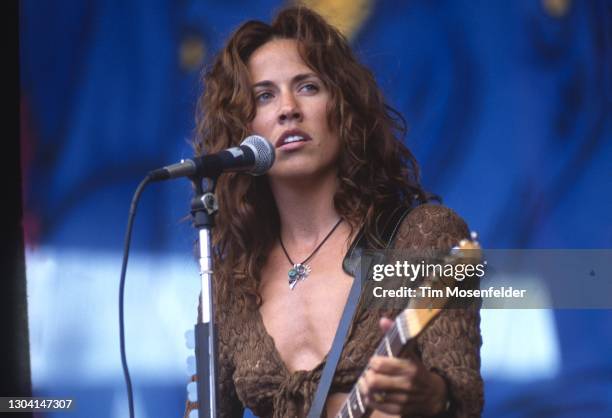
<point>468,251</point>
<point>423,309</point>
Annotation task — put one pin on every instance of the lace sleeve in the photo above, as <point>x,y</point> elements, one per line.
<point>450,346</point>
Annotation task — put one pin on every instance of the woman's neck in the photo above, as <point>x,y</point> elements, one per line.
<point>306,210</point>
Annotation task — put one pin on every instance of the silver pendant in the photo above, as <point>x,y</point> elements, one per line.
<point>296,273</point>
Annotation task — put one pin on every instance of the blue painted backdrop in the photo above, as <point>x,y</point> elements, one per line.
<point>509,106</point>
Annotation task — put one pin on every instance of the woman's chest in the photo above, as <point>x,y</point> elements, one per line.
<point>302,321</point>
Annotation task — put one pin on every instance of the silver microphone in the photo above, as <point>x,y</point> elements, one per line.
<point>254,156</point>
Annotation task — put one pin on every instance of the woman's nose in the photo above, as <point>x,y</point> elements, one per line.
<point>290,109</point>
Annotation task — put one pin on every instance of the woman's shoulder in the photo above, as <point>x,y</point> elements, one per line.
<point>431,226</point>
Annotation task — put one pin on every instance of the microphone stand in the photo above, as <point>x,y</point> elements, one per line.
<point>203,208</point>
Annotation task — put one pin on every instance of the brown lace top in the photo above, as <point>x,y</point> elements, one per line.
<point>253,375</point>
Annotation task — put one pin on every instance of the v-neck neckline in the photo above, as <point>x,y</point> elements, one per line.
<point>267,337</point>
<point>269,340</point>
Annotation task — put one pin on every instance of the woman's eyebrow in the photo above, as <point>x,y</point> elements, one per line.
<point>264,83</point>
<point>296,79</point>
<point>302,77</point>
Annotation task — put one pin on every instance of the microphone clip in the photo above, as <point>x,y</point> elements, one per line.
<point>209,202</point>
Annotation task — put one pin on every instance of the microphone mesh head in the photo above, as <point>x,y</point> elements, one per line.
<point>264,154</point>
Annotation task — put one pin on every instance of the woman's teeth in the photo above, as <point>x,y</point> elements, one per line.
<point>293,138</point>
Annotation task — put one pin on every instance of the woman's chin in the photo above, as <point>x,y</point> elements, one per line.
<point>300,174</point>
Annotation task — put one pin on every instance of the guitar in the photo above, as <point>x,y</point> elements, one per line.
<point>411,322</point>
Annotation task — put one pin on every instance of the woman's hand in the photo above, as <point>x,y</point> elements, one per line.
<point>401,386</point>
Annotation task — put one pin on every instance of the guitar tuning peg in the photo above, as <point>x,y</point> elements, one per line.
<point>474,235</point>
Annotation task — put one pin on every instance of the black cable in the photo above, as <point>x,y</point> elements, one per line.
<point>126,248</point>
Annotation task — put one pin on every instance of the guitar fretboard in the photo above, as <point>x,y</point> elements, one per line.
<point>407,325</point>
<point>410,323</point>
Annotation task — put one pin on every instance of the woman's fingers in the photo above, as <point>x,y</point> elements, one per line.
<point>399,386</point>
<point>385,324</point>
<point>395,402</point>
<point>393,365</point>
<point>376,382</point>
<point>397,408</point>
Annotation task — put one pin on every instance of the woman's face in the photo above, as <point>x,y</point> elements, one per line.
<point>291,112</point>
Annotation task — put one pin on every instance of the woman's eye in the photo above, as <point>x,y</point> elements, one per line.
<point>263,97</point>
<point>310,87</point>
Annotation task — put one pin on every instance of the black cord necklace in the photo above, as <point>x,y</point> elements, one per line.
<point>299,271</point>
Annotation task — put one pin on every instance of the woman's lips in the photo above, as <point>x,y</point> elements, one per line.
<point>292,139</point>
<point>292,145</point>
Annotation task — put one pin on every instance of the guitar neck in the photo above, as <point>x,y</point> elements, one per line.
<point>410,323</point>
<point>407,325</point>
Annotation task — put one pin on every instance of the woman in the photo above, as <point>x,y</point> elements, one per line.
<point>282,238</point>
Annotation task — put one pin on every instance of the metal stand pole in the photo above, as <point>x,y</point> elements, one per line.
<point>203,208</point>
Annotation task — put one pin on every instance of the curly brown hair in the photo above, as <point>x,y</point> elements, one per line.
<point>375,169</point>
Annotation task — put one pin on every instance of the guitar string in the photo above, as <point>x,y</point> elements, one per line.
<point>391,334</point>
